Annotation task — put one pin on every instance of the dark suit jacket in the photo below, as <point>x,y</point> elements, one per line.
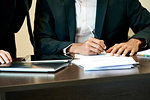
<point>55,23</point>
<point>12,14</point>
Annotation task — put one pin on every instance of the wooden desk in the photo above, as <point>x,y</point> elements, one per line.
<point>72,83</point>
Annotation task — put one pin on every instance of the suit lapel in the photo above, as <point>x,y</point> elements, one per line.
<point>70,15</point>
<point>100,16</point>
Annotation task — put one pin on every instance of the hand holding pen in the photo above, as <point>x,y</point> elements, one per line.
<point>92,46</point>
<point>101,43</point>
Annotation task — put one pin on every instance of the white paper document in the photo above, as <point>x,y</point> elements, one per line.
<point>101,62</point>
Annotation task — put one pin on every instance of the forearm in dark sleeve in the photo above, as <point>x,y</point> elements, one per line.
<point>44,31</point>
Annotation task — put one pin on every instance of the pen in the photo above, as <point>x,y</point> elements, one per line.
<point>92,31</point>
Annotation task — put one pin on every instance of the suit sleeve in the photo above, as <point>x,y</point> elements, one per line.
<point>139,19</point>
<point>44,31</point>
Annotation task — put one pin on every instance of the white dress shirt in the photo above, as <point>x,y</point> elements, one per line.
<point>85,16</point>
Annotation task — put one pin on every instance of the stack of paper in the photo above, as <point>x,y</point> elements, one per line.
<point>101,62</point>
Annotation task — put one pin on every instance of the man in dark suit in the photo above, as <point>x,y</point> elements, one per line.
<point>12,14</point>
<point>57,27</point>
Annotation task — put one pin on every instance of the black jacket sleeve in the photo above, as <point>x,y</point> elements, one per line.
<point>46,39</point>
<point>139,19</point>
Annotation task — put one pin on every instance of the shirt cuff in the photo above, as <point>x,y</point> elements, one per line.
<point>65,50</point>
<point>145,46</point>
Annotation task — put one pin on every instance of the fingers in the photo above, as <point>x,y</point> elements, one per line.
<point>109,50</point>
<point>5,57</point>
<point>115,49</point>
<point>98,42</point>
<point>95,45</point>
<point>90,47</point>
<point>133,52</point>
<point>123,49</point>
<point>120,49</point>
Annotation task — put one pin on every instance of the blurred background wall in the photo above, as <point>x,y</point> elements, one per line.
<point>23,44</point>
<point>22,38</point>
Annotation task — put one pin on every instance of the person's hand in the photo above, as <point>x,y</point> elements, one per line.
<point>5,57</point>
<point>92,46</point>
<point>130,47</point>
